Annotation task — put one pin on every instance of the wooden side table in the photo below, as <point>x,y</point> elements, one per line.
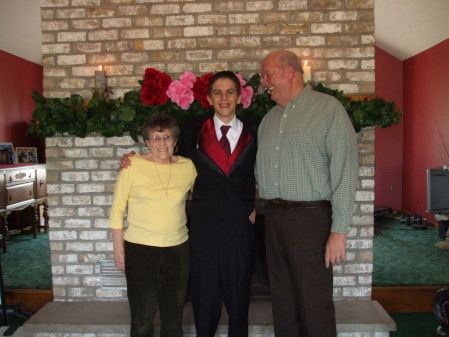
<point>22,186</point>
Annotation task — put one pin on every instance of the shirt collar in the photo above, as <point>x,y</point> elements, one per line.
<point>218,123</point>
<point>307,88</point>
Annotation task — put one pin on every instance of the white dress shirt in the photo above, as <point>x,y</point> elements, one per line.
<point>233,133</point>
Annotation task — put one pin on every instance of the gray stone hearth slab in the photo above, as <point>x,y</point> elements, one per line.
<point>113,318</point>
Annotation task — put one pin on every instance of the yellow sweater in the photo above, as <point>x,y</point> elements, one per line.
<point>155,195</point>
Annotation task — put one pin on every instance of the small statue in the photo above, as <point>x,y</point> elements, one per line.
<point>441,310</point>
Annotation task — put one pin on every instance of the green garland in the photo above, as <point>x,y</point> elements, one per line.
<point>114,117</point>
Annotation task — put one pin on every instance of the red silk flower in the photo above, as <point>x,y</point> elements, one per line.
<point>200,90</point>
<point>154,87</point>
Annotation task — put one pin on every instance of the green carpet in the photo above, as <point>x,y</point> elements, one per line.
<point>414,325</point>
<point>26,265</point>
<point>404,256</point>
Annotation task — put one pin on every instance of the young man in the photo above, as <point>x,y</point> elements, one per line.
<point>221,234</point>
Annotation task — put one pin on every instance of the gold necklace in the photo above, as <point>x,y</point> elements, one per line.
<point>160,180</point>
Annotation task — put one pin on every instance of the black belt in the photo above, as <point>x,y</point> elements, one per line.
<point>286,204</point>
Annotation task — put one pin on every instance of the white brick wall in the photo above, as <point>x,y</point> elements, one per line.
<point>127,36</point>
<point>81,173</point>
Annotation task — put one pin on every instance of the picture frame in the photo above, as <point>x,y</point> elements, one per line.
<point>26,155</point>
<point>7,154</point>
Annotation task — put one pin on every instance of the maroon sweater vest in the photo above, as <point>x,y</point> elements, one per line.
<point>209,144</point>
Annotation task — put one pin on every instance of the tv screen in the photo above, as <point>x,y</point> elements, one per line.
<point>438,190</point>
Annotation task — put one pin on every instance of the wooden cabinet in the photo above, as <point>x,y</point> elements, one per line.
<point>22,186</point>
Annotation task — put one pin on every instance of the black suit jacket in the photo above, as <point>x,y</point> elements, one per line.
<point>221,204</point>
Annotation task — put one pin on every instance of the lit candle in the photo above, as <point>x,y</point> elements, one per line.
<point>100,80</point>
<point>307,72</point>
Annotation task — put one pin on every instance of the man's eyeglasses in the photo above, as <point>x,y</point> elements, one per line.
<point>157,139</point>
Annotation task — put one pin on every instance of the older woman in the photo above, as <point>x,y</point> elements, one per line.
<point>154,252</point>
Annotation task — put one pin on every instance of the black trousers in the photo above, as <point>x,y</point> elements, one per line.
<point>221,276</point>
<point>156,278</point>
<point>301,285</point>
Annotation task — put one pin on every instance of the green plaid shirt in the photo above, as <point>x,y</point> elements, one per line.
<point>308,152</point>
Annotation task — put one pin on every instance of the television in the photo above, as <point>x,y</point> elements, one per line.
<point>438,190</point>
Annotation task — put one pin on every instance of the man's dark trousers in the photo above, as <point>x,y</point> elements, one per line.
<point>301,285</point>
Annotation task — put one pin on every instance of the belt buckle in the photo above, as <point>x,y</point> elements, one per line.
<point>277,203</point>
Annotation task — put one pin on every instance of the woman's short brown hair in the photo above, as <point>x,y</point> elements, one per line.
<point>160,122</point>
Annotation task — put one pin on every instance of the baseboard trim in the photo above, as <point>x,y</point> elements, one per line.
<point>406,299</point>
<point>30,300</point>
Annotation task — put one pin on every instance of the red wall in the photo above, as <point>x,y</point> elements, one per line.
<point>389,141</point>
<point>426,106</point>
<point>18,78</point>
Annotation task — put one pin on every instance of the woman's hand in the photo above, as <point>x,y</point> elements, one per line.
<point>119,260</point>
<point>119,249</point>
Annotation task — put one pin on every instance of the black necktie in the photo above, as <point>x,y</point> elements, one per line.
<point>224,141</point>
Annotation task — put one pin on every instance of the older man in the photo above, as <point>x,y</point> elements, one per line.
<point>307,169</point>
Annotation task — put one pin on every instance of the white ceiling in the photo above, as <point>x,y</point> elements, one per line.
<point>404,28</point>
<point>20,29</point>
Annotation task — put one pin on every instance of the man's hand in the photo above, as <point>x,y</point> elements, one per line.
<point>335,249</point>
<point>252,216</point>
<point>125,162</point>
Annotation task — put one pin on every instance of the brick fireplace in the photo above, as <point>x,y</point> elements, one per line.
<point>127,36</point>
